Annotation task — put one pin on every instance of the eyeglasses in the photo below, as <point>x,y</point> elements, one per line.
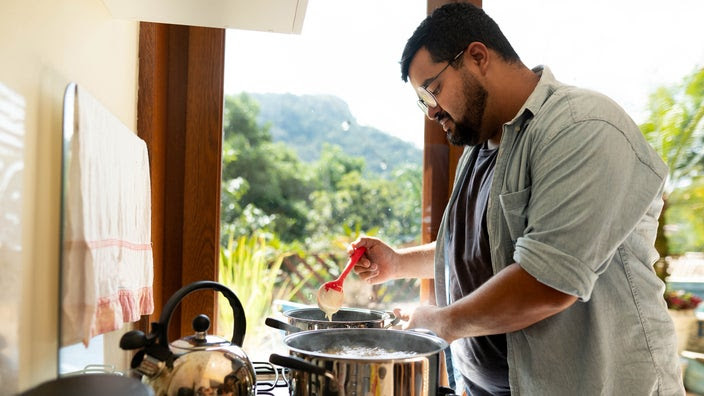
<point>426,99</point>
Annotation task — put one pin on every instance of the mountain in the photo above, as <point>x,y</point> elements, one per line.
<point>306,122</point>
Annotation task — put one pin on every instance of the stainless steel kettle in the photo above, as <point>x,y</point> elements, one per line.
<point>200,364</point>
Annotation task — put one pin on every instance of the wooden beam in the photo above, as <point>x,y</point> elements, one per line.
<point>202,170</point>
<point>152,127</point>
<point>180,105</point>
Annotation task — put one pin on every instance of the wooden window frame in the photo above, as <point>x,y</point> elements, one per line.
<point>180,110</point>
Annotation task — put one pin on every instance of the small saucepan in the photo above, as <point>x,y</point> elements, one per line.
<point>314,319</point>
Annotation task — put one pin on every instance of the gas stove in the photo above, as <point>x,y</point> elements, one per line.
<point>271,380</point>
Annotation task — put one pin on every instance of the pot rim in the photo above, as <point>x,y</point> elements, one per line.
<point>383,315</point>
<point>420,333</point>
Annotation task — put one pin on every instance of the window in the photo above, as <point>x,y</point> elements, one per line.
<point>323,141</point>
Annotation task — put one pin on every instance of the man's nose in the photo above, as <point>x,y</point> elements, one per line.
<point>434,111</point>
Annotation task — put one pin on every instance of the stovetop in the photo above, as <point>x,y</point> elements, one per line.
<point>271,380</point>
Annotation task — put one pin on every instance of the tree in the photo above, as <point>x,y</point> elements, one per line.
<point>685,218</point>
<point>346,198</point>
<point>676,131</point>
<point>406,207</point>
<point>265,185</point>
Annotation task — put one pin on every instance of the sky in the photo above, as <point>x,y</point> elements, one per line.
<point>351,49</point>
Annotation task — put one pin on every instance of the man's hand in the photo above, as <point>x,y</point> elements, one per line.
<point>424,317</point>
<point>378,264</point>
<point>382,263</point>
<point>511,300</point>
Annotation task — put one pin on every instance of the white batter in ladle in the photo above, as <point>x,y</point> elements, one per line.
<point>330,295</point>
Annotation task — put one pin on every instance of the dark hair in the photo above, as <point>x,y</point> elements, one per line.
<point>450,29</point>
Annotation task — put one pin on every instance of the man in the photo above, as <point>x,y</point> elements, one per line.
<point>543,262</point>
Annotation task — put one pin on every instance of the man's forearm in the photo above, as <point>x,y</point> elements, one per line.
<point>511,300</point>
<point>417,262</point>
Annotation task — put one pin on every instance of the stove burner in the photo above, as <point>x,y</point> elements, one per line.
<point>271,380</point>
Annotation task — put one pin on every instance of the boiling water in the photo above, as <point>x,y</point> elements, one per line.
<point>358,351</point>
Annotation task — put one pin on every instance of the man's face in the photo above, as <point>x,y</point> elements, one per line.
<point>460,97</point>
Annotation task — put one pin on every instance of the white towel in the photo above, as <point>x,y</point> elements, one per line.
<point>107,251</point>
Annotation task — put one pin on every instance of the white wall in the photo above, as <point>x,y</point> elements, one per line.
<point>43,45</point>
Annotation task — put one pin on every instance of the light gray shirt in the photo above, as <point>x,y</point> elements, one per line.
<point>575,200</point>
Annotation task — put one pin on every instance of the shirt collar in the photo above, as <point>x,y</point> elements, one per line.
<point>543,90</point>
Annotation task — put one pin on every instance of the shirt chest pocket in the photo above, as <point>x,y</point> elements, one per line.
<point>515,209</point>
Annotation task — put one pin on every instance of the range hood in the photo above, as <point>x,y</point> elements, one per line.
<point>280,16</point>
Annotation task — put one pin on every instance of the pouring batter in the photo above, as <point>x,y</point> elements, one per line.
<point>330,295</point>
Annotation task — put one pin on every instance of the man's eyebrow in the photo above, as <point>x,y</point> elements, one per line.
<point>428,81</point>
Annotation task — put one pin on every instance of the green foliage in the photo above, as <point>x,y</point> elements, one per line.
<point>265,185</point>
<point>685,218</point>
<point>405,204</point>
<point>346,198</point>
<point>240,122</point>
<point>316,208</point>
<point>676,131</point>
<point>267,188</point>
<point>250,266</point>
<point>675,127</point>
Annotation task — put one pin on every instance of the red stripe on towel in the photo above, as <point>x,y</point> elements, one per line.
<point>126,305</point>
<point>110,243</point>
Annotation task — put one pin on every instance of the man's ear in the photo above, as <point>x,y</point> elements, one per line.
<point>478,54</point>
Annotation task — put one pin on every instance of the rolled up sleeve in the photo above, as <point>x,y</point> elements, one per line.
<point>590,188</point>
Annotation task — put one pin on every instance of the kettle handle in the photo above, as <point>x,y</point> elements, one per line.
<point>240,324</point>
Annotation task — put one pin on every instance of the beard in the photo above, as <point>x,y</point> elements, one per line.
<point>467,130</point>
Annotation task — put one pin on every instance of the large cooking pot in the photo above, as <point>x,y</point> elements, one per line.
<point>315,319</point>
<point>352,361</point>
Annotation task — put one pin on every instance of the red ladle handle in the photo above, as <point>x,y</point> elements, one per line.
<point>356,255</point>
<point>337,283</point>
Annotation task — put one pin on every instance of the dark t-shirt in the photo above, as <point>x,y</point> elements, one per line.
<point>482,360</point>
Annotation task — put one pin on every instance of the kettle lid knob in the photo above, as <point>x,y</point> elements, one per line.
<point>200,340</point>
<point>201,323</point>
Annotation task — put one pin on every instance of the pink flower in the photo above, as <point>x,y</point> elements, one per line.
<point>680,299</point>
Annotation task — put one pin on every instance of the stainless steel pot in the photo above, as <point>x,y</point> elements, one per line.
<point>314,318</point>
<point>412,367</point>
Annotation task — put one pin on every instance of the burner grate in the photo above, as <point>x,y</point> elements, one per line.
<point>271,380</point>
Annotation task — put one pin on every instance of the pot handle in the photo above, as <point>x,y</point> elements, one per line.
<point>445,391</point>
<point>281,325</point>
<point>394,321</point>
<point>240,325</point>
<point>296,363</point>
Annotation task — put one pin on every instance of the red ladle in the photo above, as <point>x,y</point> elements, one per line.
<point>330,294</point>
<point>337,283</point>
